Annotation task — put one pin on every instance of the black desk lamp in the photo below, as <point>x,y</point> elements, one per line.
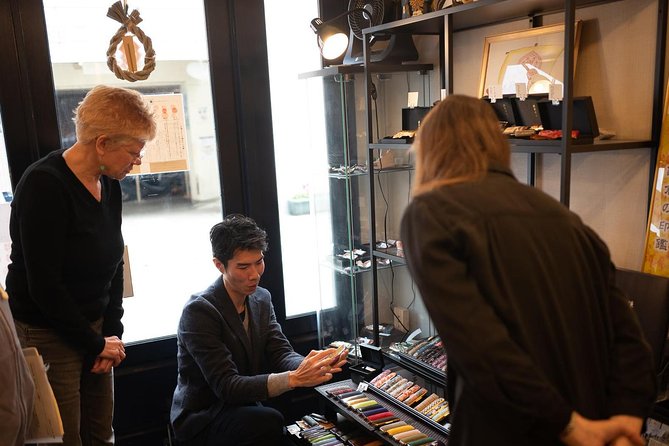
<point>332,41</point>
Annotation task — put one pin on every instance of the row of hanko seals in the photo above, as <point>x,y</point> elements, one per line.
<point>430,351</point>
<point>413,395</point>
<point>382,418</point>
<point>339,435</point>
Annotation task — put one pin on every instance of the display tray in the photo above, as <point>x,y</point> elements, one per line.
<point>443,429</point>
<point>425,370</point>
<point>439,434</point>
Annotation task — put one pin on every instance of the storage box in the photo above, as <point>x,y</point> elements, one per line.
<point>584,119</point>
<point>411,117</point>
<point>505,109</point>
<point>371,365</point>
<point>528,111</point>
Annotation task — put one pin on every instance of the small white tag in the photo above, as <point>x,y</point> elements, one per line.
<point>495,92</point>
<point>555,93</point>
<point>443,94</point>
<point>362,387</point>
<point>412,99</point>
<point>521,91</point>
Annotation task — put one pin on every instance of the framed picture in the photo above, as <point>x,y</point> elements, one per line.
<point>534,57</point>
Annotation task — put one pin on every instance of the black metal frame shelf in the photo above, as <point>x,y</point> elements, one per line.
<point>477,14</point>
<point>359,68</point>
<point>443,24</point>
<point>447,21</point>
<point>519,145</point>
<point>390,254</point>
<point>556,146</point>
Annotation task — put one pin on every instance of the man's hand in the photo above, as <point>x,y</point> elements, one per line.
<point>584,432</point>
<point>114,350</point>
<point>336,367</point>
<point>315,369</point>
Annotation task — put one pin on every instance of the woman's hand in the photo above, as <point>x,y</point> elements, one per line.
<point>102,365</point>
<point>114,350</point>
<point>584,432</point>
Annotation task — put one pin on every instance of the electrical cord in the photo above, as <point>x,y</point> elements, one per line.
<point>413,289</point>
<point>385,238</point>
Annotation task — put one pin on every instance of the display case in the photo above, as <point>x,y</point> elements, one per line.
<point>339,189</point>
<point>370,171</point>
<point>337,172</point>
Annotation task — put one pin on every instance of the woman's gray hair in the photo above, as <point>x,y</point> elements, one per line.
<point>113,111</point>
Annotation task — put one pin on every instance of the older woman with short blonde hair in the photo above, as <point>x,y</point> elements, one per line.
<point>66,273</point>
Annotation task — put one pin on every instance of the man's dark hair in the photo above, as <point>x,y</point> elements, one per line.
<point>235,232</point>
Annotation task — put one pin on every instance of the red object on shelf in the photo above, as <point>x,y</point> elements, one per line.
<point>556,134</point>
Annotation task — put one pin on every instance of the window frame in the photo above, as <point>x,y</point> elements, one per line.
<point>241,105</point>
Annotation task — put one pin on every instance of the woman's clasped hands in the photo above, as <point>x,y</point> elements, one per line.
<point>111,356</point>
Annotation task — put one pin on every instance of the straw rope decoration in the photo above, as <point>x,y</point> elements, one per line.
<point>119,12</point>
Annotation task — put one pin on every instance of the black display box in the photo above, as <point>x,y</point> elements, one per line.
<point>538,110</point>
<point>411,117</point>
<point>371,365</point>
<point>584,118</point>
<point>506,110</point>
<point>528,111</point>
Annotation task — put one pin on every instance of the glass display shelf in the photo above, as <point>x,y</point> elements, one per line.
<point>391,146</point>
<point>335,264</point>
<point>360,173</point>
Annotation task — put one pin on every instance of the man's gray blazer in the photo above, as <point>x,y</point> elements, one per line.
<point>219,364</point>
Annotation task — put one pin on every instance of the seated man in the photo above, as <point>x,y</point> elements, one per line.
<point>232,352</point>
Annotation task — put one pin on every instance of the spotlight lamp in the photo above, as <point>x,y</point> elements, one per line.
<point>332,41</point>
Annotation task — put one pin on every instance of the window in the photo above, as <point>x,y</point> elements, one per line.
<point>166,216</point>
<point>5,200</point>
<point>292,49</point>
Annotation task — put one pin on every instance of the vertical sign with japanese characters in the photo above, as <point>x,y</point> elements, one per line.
<point>168,152</point>
<point>656,257</point>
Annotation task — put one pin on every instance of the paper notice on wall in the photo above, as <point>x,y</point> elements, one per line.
<point>168,151</point>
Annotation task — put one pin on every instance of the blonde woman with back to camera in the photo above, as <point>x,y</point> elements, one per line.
<point>65,279</point>
<point>543,349</point>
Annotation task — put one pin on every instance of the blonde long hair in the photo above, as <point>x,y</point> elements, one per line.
<point>456,142</point>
